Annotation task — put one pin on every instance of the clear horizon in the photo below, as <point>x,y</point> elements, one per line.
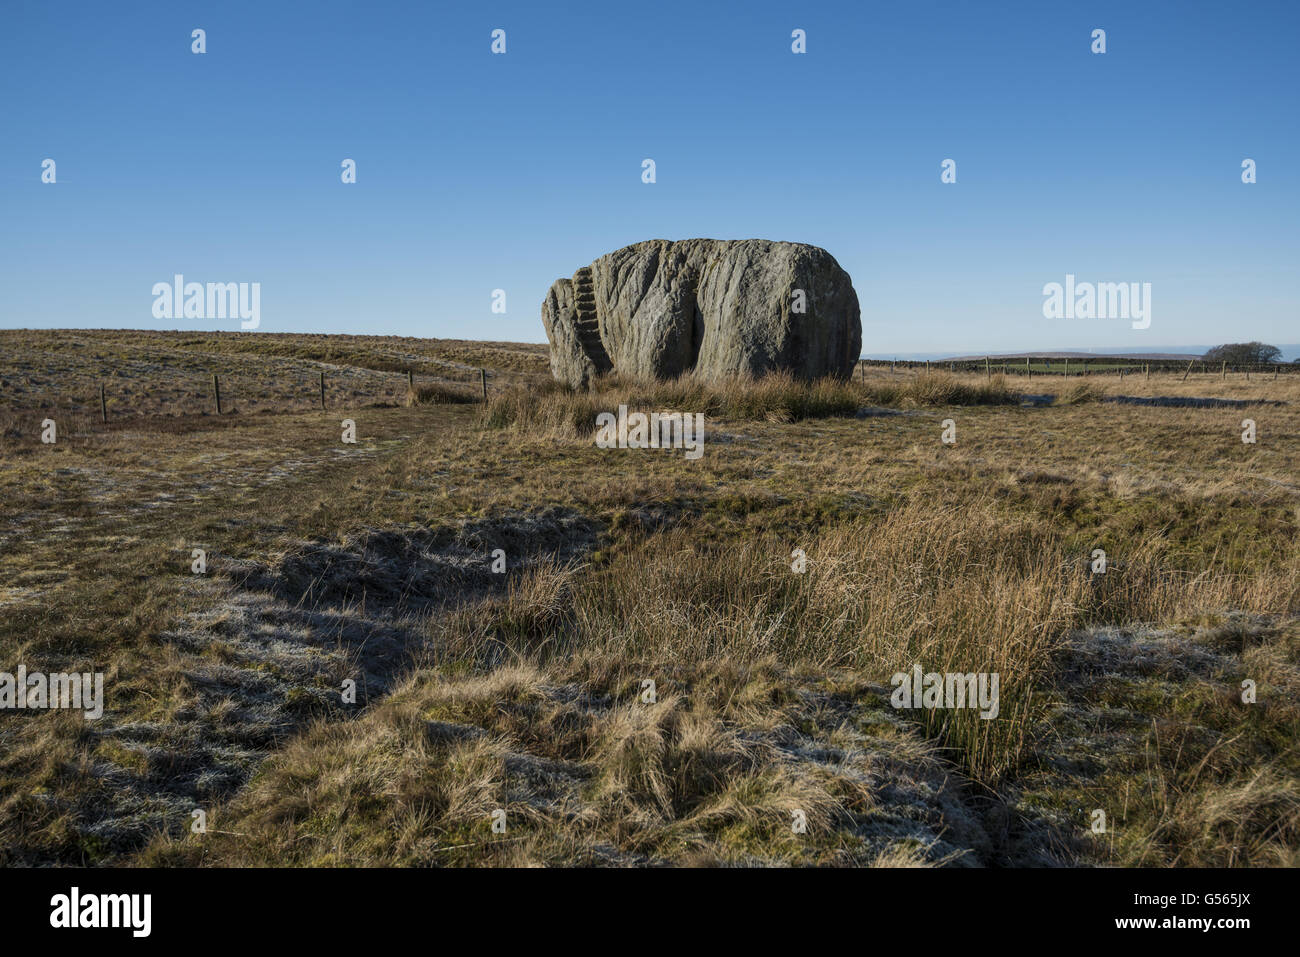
<point>477,172</point>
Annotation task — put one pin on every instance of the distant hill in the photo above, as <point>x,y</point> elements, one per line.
<point>1290,352</point>
<point>1075,355</point>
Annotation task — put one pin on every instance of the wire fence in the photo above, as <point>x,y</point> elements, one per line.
<point>1097,365</point>
<point>88,400</point>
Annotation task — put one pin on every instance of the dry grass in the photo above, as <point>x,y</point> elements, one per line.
<point>1150,726</point>
<point>534,703</point>
<point>59,373</point>
<point>438,394</point>
<point>1080,392</point>
<point>939,388</point>
<point>521,691</point>
<point>587,771</point>
<point>775,398</point>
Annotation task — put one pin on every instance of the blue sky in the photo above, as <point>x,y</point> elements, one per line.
<point>478,171</point>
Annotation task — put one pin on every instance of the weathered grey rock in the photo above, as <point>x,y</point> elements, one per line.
<point>717,307</point>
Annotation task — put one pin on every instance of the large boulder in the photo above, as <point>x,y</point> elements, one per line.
<point>716,307</point>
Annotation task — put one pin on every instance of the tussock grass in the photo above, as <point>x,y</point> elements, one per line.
<point>438,393</point>
<point>1080,392</point>
<point>589,772</point>
<point>530,702</point>
<point>523,693</point>
<point>779,398</point>
<point>969,590</point>
<point>939,388</point>
<point>1150,727</point>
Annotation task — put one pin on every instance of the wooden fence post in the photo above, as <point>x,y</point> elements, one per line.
<point>1224,370</point>
<point>216,391</point>
<point>482,374</point>
<point>103,405</point>
<point>1187,370</point>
